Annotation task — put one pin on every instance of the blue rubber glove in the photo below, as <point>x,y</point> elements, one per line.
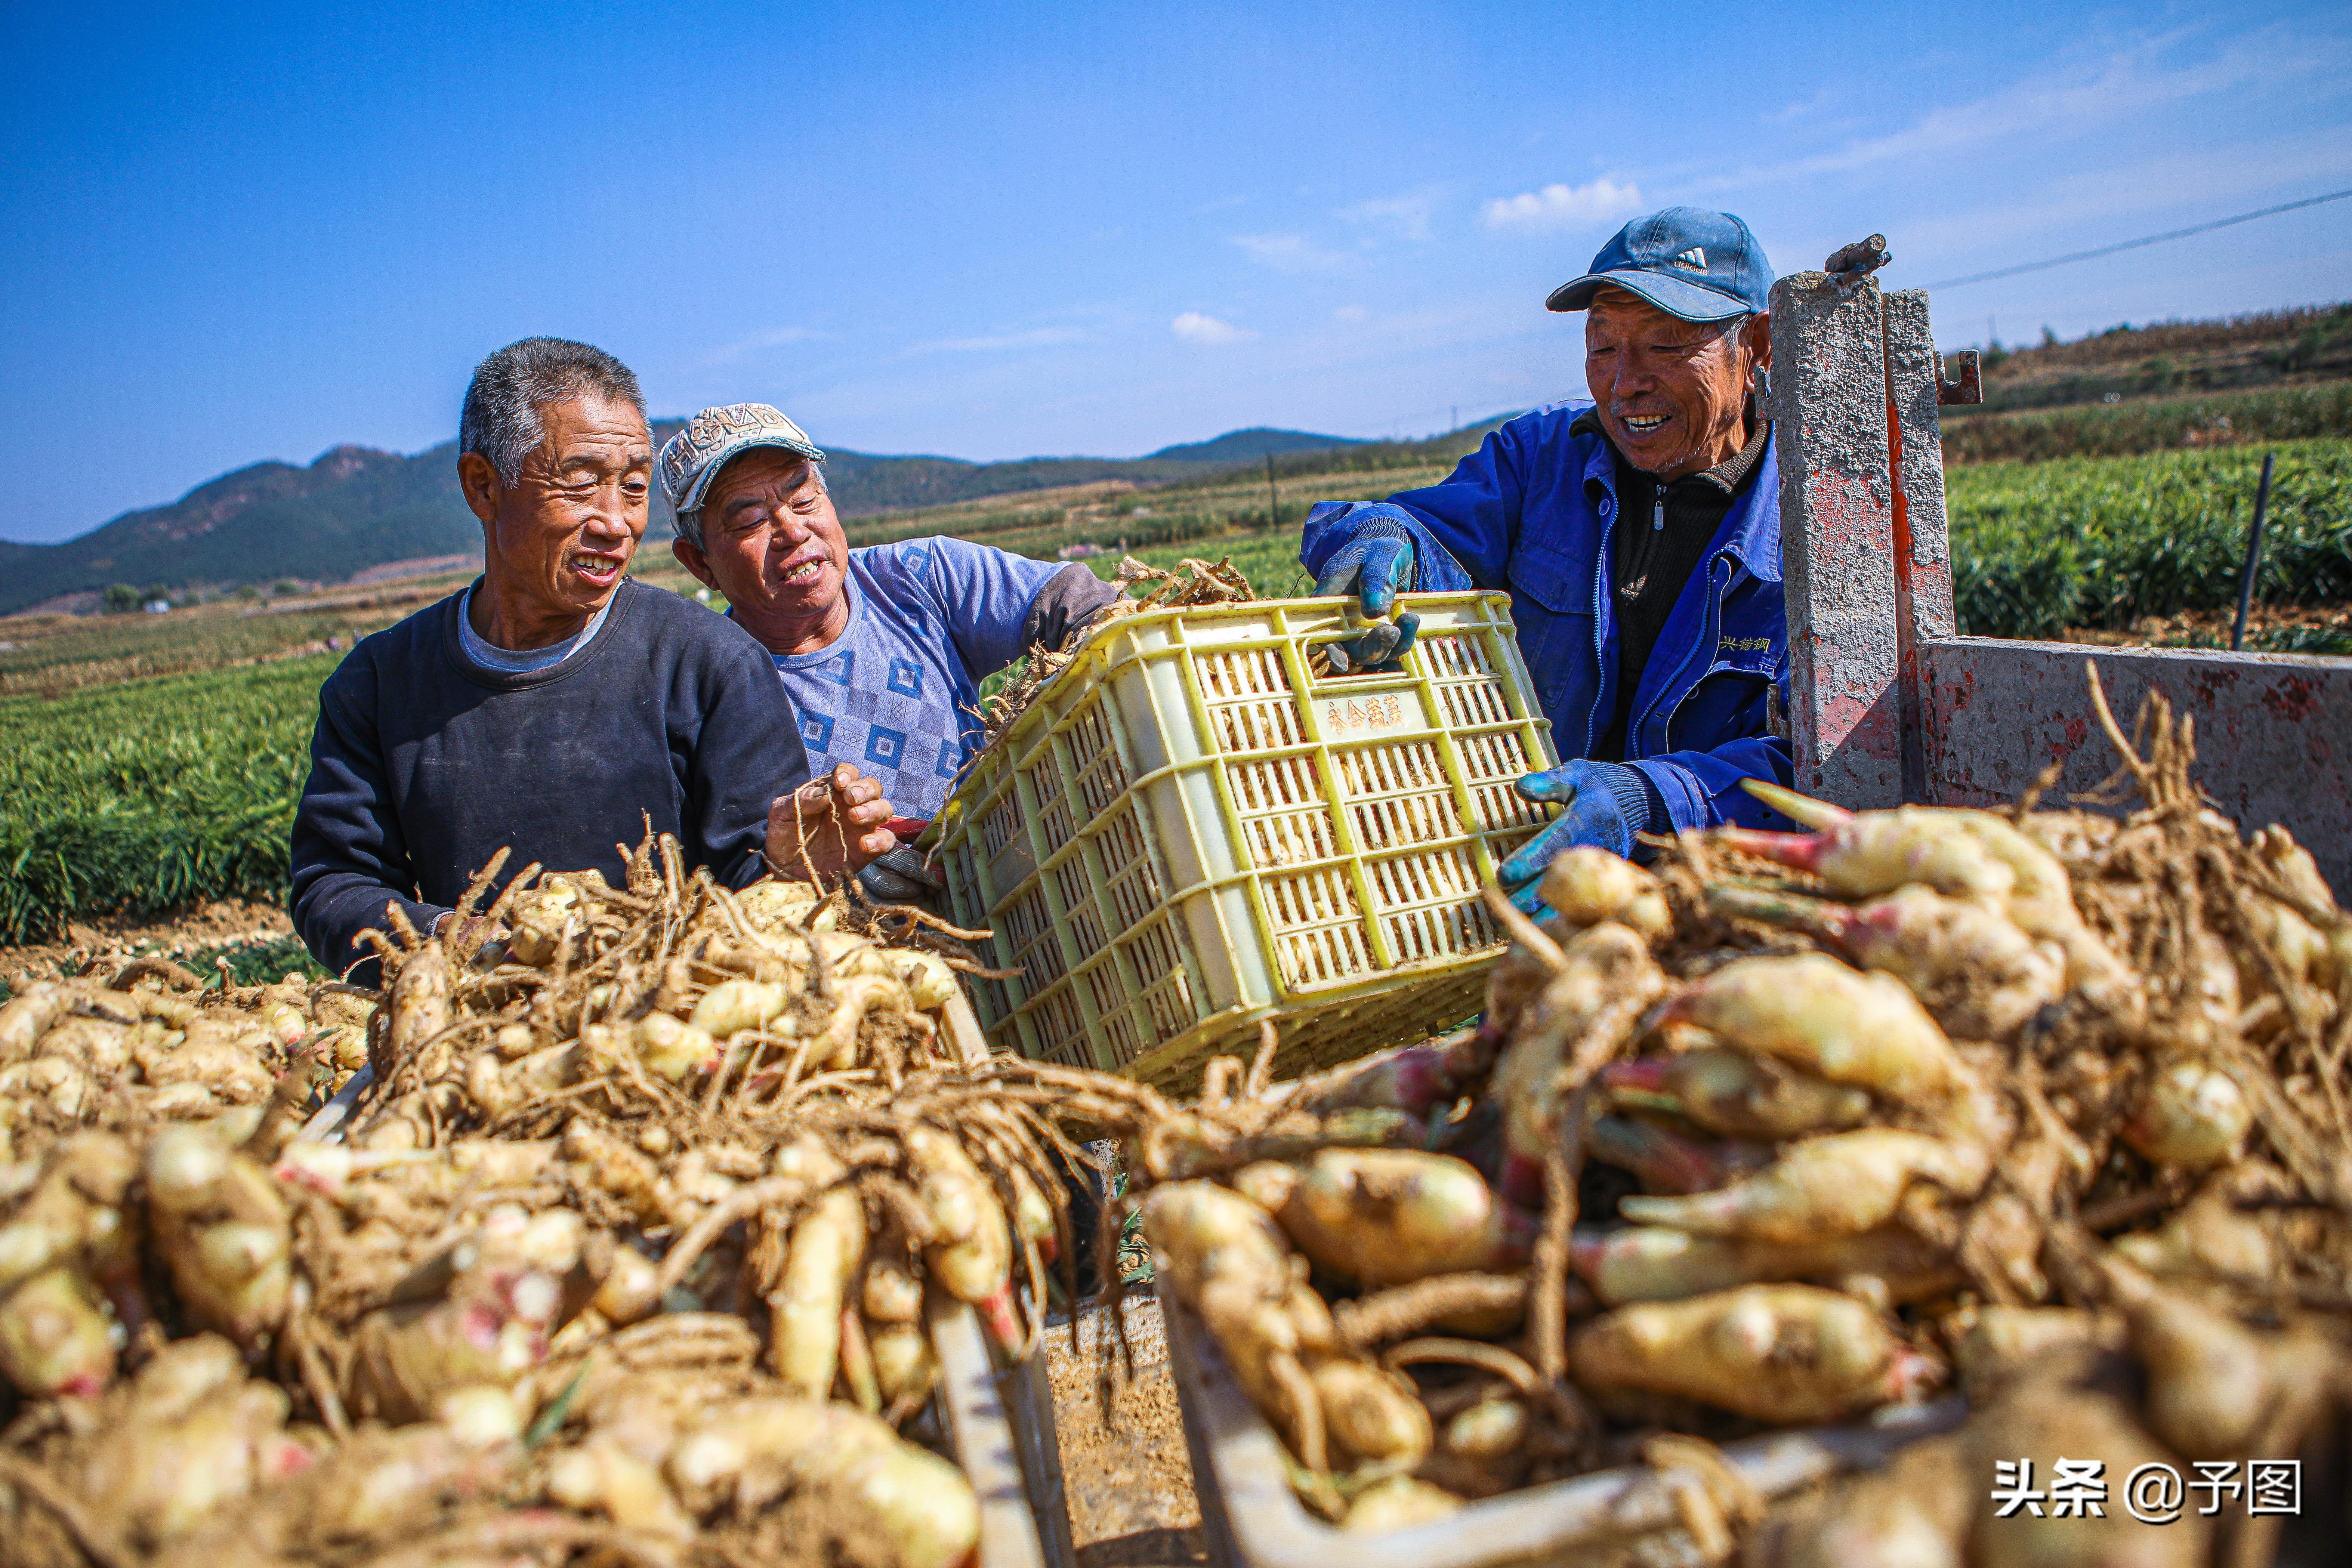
<point>1605,803</point>
<point>1376,568</point>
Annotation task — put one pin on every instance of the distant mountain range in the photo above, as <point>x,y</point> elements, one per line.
<point>355,508</point>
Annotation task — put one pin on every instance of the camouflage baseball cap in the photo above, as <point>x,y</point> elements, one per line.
<point>692,458</point>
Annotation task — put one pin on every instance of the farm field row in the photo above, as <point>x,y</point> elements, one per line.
<point>2138,426</point>
<point>2041,549</point>
<point>136,798</point>
<point>50,656</point>
<point>2102,543</point>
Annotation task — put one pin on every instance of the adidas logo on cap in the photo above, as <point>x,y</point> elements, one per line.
<point>1695,259</point>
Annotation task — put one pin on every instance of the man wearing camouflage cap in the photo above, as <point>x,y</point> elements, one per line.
<point>881,650</point>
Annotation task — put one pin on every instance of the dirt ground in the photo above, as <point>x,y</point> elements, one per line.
<point>2212,626</point>
<point>1128,1481</point>
<point>226,922</point>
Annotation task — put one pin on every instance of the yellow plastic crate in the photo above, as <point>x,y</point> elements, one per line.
<point>1190,831</point>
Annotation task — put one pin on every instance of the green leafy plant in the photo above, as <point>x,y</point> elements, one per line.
<point>140,798</point>
<point>2100,543</point>
<point>2142,424</point>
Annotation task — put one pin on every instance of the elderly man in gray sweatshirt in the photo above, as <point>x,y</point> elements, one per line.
<point>555,705</point>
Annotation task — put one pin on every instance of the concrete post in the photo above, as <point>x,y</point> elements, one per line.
<point>1888,703</point>
<point>1837,536</point>
<point>1922,539</point>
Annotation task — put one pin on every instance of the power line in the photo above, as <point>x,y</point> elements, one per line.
<point>2135,244</point>
<point>1454,413</point>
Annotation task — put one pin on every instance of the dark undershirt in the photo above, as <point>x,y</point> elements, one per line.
<point>1650,564</point>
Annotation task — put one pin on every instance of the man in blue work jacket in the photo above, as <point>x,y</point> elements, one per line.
<point>1639,536</point>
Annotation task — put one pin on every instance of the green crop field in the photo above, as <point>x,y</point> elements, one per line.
<point>2044,548</point>
<point>2038,549</point>
<point>53,654</point>
<point>141,796</point>
<point>2266,415</point>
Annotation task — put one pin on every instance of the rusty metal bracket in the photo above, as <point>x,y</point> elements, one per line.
<point>1968,388</point>
<point>1863,257</point>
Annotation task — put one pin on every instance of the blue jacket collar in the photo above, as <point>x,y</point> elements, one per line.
<point>1750,532</point>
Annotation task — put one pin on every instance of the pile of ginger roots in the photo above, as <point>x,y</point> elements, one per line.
<point>619,1228</point>
<point>2041,1111</point>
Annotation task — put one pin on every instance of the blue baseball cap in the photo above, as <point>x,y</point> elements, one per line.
<point>1698,264</point>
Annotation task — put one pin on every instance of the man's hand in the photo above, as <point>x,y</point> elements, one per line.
<point>1594,813</point>
<point>1375,569</point>
<point>829,826</point>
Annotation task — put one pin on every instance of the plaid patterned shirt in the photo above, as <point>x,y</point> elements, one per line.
<point>894,695</point>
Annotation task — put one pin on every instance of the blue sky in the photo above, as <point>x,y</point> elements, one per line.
<point>227,235</point>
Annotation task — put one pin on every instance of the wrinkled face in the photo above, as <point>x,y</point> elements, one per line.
<point>771,538</point>
<point>562,536</point>
<point>1671,392</point>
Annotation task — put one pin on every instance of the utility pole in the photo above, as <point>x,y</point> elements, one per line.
<point>1273,506</point>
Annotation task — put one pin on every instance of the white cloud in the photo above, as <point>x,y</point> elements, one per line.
<point>2071,99</point>
<point>2154,192</point>
<point>1348,313</point>
<point>1406,216</point>
<point>776,337</point>
<point>1196,328</point>
<point>1558,205</point>
<point>1290,253</point>
<point>1801,109</point>
<point>1035,338</point>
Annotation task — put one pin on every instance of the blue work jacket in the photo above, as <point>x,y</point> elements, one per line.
<point>1531,511</point>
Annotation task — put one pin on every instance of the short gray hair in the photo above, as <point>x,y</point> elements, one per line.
<point>690,523</point>
<point>501,419</point>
